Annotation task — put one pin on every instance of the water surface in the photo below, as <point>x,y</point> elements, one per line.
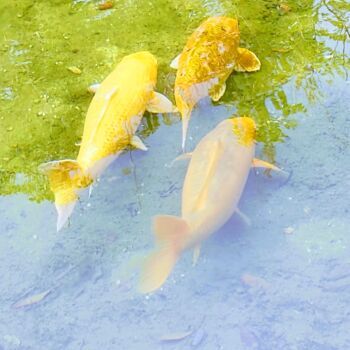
<point>282,282</point>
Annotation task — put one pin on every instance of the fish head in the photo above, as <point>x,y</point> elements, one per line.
<point>144,56</point>
<point>143,60</point>
<point>244,130</point>
<point>216,27</point>
<point>228,23</point>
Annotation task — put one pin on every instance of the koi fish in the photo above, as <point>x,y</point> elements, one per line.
<point>210,55</point>
<point>213,185</point>
<point>113,117</point>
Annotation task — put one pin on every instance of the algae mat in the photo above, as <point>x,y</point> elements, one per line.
<point>43,100</point>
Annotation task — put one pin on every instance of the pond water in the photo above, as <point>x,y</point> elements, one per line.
<point>282,282</point>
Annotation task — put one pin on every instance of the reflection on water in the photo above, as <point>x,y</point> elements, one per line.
<point>43,104</point>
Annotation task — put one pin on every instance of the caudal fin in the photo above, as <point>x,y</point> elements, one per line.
<point>64,211</point>
<point>65,177</point>
<point>170,234</point>
<point>185,122</point>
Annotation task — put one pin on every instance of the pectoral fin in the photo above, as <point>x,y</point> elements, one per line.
<point>136,142</point>
<point>175,62</point>
<point>258,163</point>
<point>246,61</point>
<point>160,104</point>
<point>217,92</point>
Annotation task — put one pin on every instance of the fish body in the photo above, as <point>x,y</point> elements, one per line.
<point>113,117</point>
<point>213,185</point>
<point>210,55</point>
<point>216,177</point>
<point>116,110</point>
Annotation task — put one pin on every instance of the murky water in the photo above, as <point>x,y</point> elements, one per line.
<point>283,282</point>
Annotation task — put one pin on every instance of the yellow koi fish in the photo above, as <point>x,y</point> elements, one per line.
<point>211,54</point>
<point>112,119</point>
<point>213,185</point>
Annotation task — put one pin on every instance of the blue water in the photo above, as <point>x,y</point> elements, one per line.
<point>281,283</point>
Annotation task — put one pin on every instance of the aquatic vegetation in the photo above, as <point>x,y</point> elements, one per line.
<point>213,185</point>
<point>291,49</point>
<point>43,104</point>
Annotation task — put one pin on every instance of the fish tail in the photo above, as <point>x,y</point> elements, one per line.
<point>65,177</point>
<point>182,97</point>
<point>170,234</point>
<point>185,122</point>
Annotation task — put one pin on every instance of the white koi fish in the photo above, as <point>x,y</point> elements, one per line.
<point>213,185</point>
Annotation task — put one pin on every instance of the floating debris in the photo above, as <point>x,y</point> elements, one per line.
<point>172,337</point>
<point>198,338</point>
<point>289,230</point>
<point>106,5</point>
<point>254,281</point>
<point>126,171</point>
<point>284,8</point>
<point>172,188</point>
<point>7,94</point>
<point>31,300</point>
<point>74,70</point>
<point>307,210</point>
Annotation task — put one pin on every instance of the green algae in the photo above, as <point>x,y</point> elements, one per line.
<point>43,104</point>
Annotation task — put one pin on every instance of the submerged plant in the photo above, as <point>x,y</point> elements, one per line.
<point>43,101</point>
